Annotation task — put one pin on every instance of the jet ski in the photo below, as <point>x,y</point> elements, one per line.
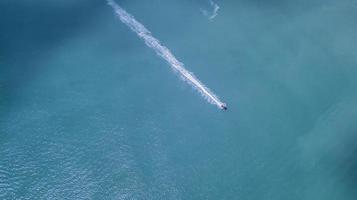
<point>224,107</point>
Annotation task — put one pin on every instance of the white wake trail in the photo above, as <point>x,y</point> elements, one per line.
<point>165,53</point>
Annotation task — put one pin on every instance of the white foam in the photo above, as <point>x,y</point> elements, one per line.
<point>214,13</point>
<point>215,9</point>
<point>165,53</point>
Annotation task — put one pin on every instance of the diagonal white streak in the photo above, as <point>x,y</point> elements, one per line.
<point>165,53</point>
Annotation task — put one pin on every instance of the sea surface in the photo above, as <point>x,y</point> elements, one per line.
<point>88,111</point>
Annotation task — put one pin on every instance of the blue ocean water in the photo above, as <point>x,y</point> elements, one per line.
<point>88,111</point>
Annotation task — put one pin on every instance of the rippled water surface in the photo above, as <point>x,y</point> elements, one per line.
<point>88,111</point>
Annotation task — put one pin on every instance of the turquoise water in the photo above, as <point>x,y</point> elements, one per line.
<point>88,111</point>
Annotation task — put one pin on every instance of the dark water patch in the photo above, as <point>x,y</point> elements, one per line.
<point>30,31</point>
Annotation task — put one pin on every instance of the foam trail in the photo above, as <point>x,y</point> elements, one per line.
<point>165,53</point>
<point>215,9</point>
<point>214,13</point>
